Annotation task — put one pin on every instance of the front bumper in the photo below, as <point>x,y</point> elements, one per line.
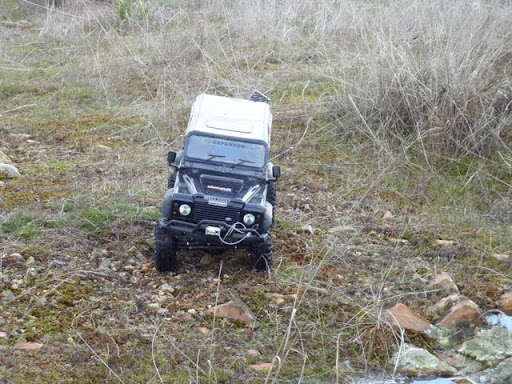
<point>192,235</point>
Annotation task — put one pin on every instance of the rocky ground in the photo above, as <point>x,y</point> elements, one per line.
<point>380,265</point>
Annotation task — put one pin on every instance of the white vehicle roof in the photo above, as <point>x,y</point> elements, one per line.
<point>237,118</point>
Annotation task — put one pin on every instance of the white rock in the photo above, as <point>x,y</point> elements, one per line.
<point>9,171</point>
<point>253,353</point>
<point>4,159</point>
<point>387,215</point>
<point>307,229</point>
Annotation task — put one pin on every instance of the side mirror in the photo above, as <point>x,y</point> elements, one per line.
<point>171,156</point>
<point>276,171</point>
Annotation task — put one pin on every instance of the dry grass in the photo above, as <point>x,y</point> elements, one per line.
<point>390,106</point>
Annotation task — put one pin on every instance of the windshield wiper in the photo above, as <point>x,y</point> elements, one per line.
<point>242,161</point>
<point>213,157</point>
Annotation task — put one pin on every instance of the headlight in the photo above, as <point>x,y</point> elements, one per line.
<point>185,209</point>
<point>249,219</point>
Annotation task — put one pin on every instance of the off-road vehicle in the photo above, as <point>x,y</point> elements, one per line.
<point>222,187</point>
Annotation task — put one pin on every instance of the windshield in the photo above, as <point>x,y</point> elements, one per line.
<point>226,151</point>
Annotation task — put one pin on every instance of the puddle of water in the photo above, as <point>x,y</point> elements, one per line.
<point>500,319</point>
<point>438,380</point>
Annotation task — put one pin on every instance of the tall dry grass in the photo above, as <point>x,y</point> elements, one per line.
<point>435,73</point>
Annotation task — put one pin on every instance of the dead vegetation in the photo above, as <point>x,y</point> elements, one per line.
<point>398,107</point>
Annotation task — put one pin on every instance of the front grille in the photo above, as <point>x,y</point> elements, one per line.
<point>205,211</point>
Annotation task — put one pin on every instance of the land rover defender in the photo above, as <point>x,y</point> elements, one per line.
<point>222,187</point>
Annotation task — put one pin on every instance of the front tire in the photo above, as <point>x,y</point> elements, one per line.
<point>165,251</point>
<point>261,255</point>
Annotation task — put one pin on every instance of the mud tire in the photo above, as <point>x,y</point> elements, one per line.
<point>165,251</point>
<point>261,255</point>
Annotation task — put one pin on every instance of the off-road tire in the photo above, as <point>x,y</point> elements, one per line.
<point>261,255</point>
<point>271,193</point>
<point>172,180</point>
<point>271,198</point>
<point>165,251</point>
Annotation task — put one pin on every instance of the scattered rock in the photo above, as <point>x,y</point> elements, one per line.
<point>489,345</point>
<point>462,315</point>
<point>387,215</point>
<point>166,288</point>
<point>505,304</point>
<point>28,346</point>
<point>207,260</point>
<point>402,316</point>
<point>445,242</point>
<point>103,147</point>
<point>234,310</point>
<point>413,361</point>
<point>204,330</point>
<point>263,367</point>
<point>154,307</point>
<point>4,159</point>
<point>443,306</point>
<point>253,353</point>
<point>9,171</point>
<point>186,317</point>
<point>307,229</point>
<point>151,241</point>
<point>106,263</point>
<point>501,256</point>
<point>147,268</point>
<point>30,261</point>
<point>280,301</point>
<point>463,365</point>
<point>342,228</point>
<point>445,282</point>
<point>499,375</point>
<point>8,295</point>
<point>15,257</point>
<point>3,335</point>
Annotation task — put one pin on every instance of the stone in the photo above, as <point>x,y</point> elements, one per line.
<point>443,306</point>
<point>154,307</point>
<point>204,330</point>
<point>8,295</point>
<point>414,361</point>
<point>105,263</point>
<point>505,303</point>
<point>445,242</point>
<point>342,228</point>
<point>186,317</point>
<point>263,367</point>
<point>4,159</point>
<point>403,317</point>
<point>207,260</point>
<point>3,335</point>
<point>280,301</point>
<point>462,315</point>
<point>445,282</point>
<point>489,345</point>
<point>30,261</point>
<point>15,257</point>
<point>387,215</point>
<point>307,229</point>
<point>9,171</point>
<point>501,256</point>
<point>28,346</point>
<point>166,288</point>
<point>234,310</point>
<point>253,353</point>
<point>162,311</point>
<point>499,375</point>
